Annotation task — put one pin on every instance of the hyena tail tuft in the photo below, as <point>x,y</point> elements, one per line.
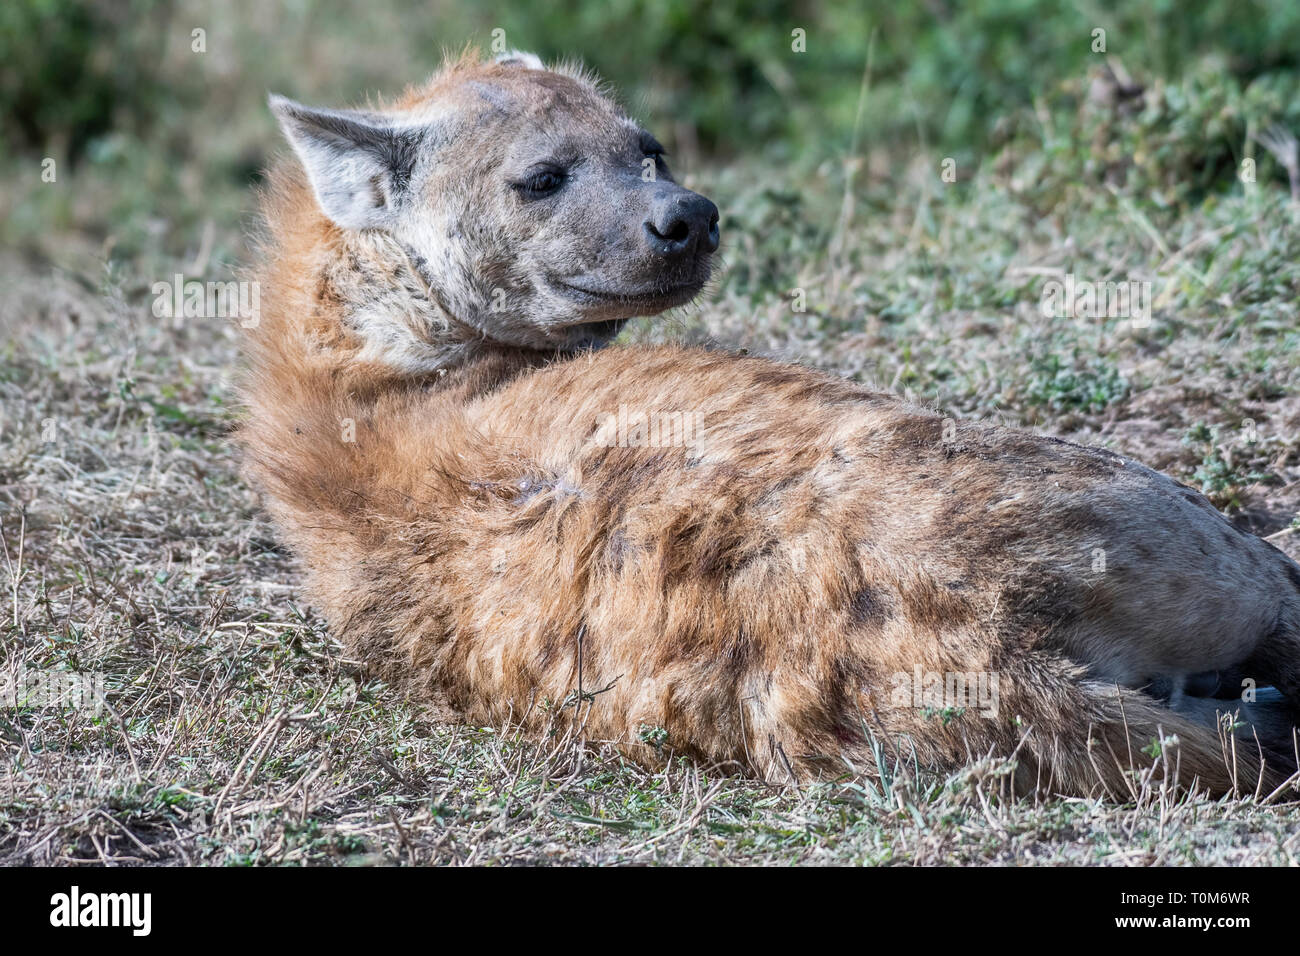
<point>1123,741</point>
<point>1082,736</point>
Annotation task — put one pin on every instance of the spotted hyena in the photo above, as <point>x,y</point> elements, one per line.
<point>820,568</point>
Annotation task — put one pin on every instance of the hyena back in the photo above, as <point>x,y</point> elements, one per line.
<point>429,413</point>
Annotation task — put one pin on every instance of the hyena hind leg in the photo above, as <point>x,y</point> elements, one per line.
<point>1263,691</point>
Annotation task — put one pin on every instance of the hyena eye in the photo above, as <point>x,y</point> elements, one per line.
<point>541,183</point>
<point>652,147</point>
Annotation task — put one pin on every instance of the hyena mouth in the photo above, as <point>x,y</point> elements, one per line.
<point>655,298</point>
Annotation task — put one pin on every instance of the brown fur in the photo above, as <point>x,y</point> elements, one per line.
<point>755,594</point>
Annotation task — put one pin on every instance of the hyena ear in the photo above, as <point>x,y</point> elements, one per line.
<point>530,61</point>
<point>358,163</point>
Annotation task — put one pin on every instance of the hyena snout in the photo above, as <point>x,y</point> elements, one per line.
<point>682,224</point>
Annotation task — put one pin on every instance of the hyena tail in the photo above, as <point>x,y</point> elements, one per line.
<point>1135,737</point>
<point>1074,735</point>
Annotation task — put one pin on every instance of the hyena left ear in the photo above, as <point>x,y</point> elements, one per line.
<point>530,61</point>
<point>359,163</point>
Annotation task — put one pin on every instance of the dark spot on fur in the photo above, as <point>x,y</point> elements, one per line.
<point>1198,500</point>
<point>865,607</point>
<point>775,376</point>
<point>739,657</point>
<point>617,549</point>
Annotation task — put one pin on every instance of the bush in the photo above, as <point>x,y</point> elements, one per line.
<point>73,71</point>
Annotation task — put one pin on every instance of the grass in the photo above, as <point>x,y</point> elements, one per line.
<point>236,732</point>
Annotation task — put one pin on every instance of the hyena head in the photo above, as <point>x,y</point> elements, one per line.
<point>534,210</point>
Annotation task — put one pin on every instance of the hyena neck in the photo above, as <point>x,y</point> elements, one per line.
<point>356,307</point>
<point>383,299</point>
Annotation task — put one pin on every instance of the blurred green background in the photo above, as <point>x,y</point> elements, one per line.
<point>161,139</point>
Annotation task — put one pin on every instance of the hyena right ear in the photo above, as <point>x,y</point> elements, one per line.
<point>529,61</point>
<point>359,163</point>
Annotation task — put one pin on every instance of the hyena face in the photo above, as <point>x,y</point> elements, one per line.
<point>538,214</point>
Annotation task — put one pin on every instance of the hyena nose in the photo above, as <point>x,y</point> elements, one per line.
<point>682,224</point>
